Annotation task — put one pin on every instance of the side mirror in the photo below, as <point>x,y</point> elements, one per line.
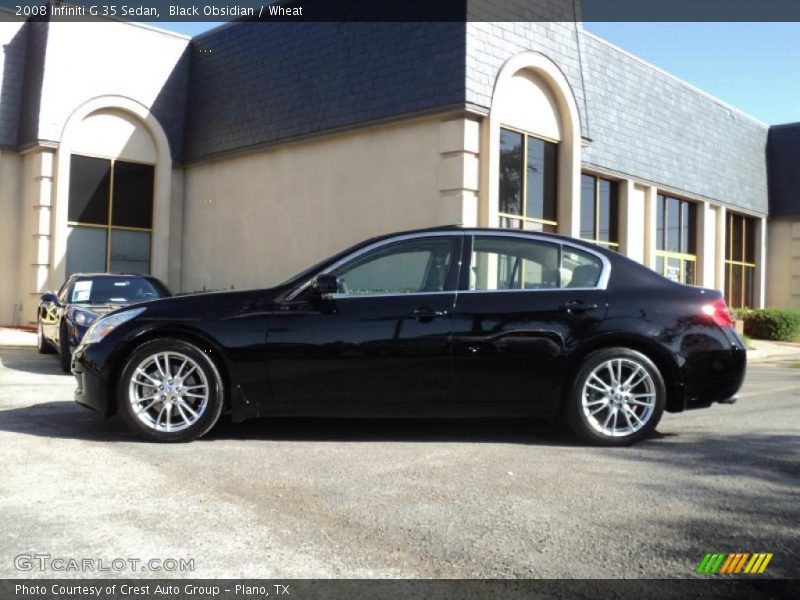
<point>49,297</point>
<point>325,284</point>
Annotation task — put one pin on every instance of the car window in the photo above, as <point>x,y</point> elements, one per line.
<point>114,290</point>
<point>64,291</point>
<point>508,263</point>
<point>579,269</point>
<point>407,267</point>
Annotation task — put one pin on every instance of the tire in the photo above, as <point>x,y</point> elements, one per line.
<point>607,409</point>
<point>176,387</point>
<point>42,345</point>
<point>64,353</point>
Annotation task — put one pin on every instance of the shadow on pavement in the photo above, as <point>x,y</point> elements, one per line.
<point>746,490</point>
<point>28,360</point>
<point>69,420</point>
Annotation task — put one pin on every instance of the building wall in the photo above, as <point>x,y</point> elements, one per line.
<point>10,172</point>
<point>636,120</point>
<point>255,219</point>
<point>783,285</point>
<point>87,60</point>
<point>254,84</point>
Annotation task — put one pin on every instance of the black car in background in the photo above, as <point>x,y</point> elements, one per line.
<point>64,317</point>
<point>442,322</point>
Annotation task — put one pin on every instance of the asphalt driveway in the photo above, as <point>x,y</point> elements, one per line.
<point>301,498</point>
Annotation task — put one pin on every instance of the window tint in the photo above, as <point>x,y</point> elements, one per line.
<point>130,251</point>
<point>510,172</point>
<point>89,182</point>
<point>133,195</point>
<point>86,250</point>
<point>406,267</point>
<point>528,182</point>
<point>506,263</point>
<point>579,269</point>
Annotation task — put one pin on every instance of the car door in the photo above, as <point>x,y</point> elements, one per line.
<point>381,342</point>
<point>525,303</point>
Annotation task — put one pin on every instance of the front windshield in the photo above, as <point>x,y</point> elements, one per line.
<point>115,290</point>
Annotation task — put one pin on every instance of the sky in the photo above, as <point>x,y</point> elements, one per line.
<point>754,67</point>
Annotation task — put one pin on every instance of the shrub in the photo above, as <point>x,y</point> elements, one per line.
<point>776,324</point>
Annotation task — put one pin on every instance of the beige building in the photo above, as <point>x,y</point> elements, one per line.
<point>241,156</point>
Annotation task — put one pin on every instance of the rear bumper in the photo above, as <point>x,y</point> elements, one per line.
<point>715,377</point>
<point>92,387</point>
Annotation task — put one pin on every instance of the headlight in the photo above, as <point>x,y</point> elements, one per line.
<point>83,317</point>
<point>105,325</point>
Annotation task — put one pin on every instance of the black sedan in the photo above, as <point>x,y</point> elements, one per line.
<point>442,322</point>
<point>65,316</point>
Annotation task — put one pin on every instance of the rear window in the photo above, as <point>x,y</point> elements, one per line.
<point>115,290</point>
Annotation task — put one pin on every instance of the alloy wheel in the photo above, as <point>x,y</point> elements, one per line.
<point>168,391</point>
<point>618,397</point>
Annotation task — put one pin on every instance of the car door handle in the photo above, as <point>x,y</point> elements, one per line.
<point>577,306</point>
<point>426,312</point>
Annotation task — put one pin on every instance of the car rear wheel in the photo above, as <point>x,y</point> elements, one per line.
<point>170,391</point>
<point>617,397</point>
<point>41,344</point>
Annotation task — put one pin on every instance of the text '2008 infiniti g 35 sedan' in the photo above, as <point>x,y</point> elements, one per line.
<point>441,322</point>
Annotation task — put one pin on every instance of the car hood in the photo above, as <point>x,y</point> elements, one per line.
<point>207,305</point>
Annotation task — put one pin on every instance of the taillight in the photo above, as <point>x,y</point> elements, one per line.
<point>718,311</point>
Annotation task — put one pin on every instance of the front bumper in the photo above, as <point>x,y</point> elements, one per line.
<point>92,390</point>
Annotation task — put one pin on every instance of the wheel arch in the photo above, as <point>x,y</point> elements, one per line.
<point>661,357</point>
<point>192,336</point>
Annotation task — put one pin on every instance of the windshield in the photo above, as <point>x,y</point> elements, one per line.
<point>115,290</point>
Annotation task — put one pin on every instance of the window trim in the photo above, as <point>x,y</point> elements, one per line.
<point>462,265</point>
<point>108,227</point>
<point>683,257</point>
<point>466,261</point>
<point>615,212</point>
<point>524,184</point>
<point>744,264</point>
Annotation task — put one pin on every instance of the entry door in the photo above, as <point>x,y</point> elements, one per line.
<point>526,303</point>
<point>380,345</point>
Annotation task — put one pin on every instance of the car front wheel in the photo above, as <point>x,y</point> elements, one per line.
<point>170,391</point>
<point>617,397</point>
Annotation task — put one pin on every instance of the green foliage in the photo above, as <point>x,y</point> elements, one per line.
<point>777,324</point>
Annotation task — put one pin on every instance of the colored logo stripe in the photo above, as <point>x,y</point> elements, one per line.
<point>734,563</point>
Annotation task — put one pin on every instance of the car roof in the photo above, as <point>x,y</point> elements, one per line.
<point>489,230</point>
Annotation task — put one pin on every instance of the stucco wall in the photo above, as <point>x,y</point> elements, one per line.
<point>254,220</point>
<point>783,284</point>
<point>86,60</point>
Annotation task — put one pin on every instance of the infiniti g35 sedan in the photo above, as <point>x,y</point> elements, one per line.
<point>445,322</point>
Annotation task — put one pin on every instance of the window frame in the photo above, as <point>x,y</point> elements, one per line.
<point>522,217</point>
<point>451,279</point>
<point>466,262</point>
<point>682,257</point>
<point>613,217</point>
<point>109,227</point>
<point>745,265</point>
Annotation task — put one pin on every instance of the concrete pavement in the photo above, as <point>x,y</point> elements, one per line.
<point>304,498</point>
